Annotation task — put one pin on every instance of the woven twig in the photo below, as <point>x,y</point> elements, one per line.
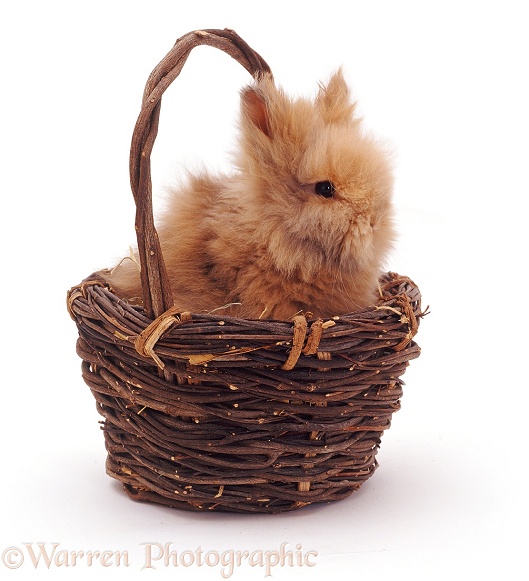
<point>234,430</point>
<point>207,412</point>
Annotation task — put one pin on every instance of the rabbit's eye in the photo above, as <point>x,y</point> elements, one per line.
<point>325,189</point>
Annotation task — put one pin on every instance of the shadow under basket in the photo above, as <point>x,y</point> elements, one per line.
<point>208,412</point>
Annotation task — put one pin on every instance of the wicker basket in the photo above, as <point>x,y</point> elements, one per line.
<point>206,412</point>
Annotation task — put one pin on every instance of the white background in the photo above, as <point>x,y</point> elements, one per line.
<point>446,84</point>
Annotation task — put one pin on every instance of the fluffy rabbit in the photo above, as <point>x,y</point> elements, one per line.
<point>304,224</point>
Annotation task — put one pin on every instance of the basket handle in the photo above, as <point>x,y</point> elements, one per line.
<point>157,296</point>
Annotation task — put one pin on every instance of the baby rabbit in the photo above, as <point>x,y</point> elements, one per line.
<point>303,225</point>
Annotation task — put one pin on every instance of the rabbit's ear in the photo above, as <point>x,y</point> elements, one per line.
<point>333,99</point>
<point>255,109</point>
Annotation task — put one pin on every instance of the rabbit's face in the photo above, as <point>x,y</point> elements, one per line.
<point>321,188</point>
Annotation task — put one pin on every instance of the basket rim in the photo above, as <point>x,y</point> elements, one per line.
<point>399,307</point>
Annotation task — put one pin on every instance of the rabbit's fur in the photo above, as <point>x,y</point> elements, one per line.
<point>264,237</point>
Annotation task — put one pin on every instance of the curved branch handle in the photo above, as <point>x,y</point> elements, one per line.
<point>157,296</point>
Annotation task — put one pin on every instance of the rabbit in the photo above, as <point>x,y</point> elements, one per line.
<point>303,225</point>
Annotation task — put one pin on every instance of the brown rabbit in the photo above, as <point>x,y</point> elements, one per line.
<point>303,225</point>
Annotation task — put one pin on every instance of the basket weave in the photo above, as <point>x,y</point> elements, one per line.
<point>206,412</point>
